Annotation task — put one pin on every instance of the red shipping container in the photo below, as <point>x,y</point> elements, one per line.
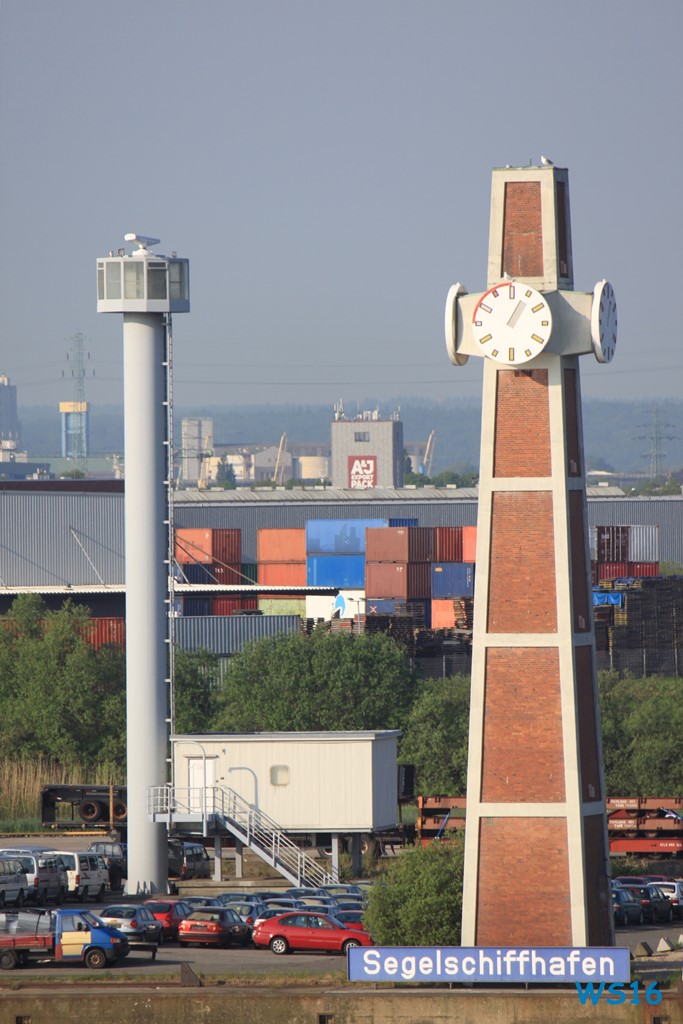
<point>233,605</point>
<point>443,614</point>
<point>226,546</point>
<point>643,568</point>
<point>594,574</point>
<point>282,574</point>
<point>281,545</point>
<point>405,580</point>
<point>399,544</point>
<point>448,544</point>
<point>105,631</point>
<point>612,570</point>
<point>193,545</point>
<point>469,544</point>
<point>230,574</point>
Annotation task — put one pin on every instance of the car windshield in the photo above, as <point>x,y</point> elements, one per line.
<point>160,908</point>
<point>119,912</point>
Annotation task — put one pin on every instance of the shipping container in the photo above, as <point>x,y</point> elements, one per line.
<point>335,571</point>
<point>233,605</point>
<point>281,545</point>
<point>469,543</point>
<point>229,634</point>
<point>347,604</point>
<point>406,580</point>
<point>640,569</point>
<point>403,522</point>
<point>452,579</point>
<point>400,544</point>
<point>419,612</point>
<point>320,606</point>
<point>198,573</point>
<point>443,614</point>
<point>207,545</point>
<point>109,631</point>
<point>448,544</point>
<point>612,570</point>
<point>280,606</point>
<point>249,572</point>
<point>282,574</point>
<point>339,536</point>
<point>230,574</point>
<point>643,544</point>
<point>197,606</point>
<point>612,543</point>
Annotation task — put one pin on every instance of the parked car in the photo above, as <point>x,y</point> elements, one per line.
<point>339,889</point>
<point>115,857</point>
<point>673,889</point>
<point>135,920</point>
<point>307,932</point>
<point>213,926</point>
<point>626,880</point>
<point>237,897</point>
<point>656,906</point>
<point>87,873</point>
<point>197,902</point>
<point>187,860</point>
<point>284,904</point>
<point>247,912</point>
<point>170,913</point>
<point>627,909</point>
<point>354,918</point>
<point>13,882</point>
<point>45,874</point>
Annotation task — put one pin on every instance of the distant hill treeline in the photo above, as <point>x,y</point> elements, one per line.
<point>618,435</point>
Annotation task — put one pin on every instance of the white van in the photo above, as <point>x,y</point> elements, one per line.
<point>45,873</point>
<point>88,874</point>
<point>13,882</point>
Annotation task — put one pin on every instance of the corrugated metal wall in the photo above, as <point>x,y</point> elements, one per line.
<point>228,634</point>
<point>57,539</point>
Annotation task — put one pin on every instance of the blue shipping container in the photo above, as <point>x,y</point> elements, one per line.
<point>403,522</point>
<point>452,579</point>
<point>346,571</point>
<point>420,611</point>
<point>196,606</point>
<point>339,536</point>
<point>197,572</point>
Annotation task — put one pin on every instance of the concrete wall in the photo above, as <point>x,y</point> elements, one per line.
<point>119,1004</point>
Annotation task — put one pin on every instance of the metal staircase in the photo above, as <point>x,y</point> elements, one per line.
<point>218,807</point>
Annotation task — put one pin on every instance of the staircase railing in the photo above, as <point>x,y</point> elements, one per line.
<point>256,829</point>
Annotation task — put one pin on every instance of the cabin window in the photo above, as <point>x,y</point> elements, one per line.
<point>279,775</point>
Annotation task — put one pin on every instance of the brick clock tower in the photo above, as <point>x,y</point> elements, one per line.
<point>536,850</point>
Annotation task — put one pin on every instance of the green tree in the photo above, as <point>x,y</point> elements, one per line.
<point>225,475</point>
<point>419,902</point>
<point>435,738</point>
<point>325,681</point>
<point>59,696</point>
<point>197,684</point>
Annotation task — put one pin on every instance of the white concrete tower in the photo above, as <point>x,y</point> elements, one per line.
<point>146,288</point>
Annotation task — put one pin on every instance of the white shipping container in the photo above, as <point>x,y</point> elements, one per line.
<point>643,544</point>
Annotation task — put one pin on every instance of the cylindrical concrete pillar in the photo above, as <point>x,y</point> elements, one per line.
<point>144,347</point>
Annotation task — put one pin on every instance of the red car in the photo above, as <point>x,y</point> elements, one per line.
<point>214,926</point>
<point>170,913</point>
<point>308,932</point>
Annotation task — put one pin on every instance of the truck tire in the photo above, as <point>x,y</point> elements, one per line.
<point>8,959</point>
<point>120,811</point>
<point>369,847</point>
<point>95,959</point>
<point>91,810</point>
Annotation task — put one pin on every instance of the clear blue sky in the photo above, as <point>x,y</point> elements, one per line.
<point>326,167</point>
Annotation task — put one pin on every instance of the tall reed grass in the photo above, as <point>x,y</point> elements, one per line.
<point>22,777</point>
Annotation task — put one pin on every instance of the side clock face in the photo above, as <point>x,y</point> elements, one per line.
<point>604,322</point>
<point>512,323</point>
<point>451,324</point>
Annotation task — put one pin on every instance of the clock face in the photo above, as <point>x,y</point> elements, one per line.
<point>512,323</point>
<point>451,324</point>
<point>604,322</point>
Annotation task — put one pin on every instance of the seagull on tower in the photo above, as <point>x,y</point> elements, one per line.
<point>546,162</point>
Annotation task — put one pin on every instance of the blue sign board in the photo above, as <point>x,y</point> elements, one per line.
<point>546,964</point>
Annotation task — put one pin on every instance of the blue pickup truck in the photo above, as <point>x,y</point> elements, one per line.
<point>65,936</point>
